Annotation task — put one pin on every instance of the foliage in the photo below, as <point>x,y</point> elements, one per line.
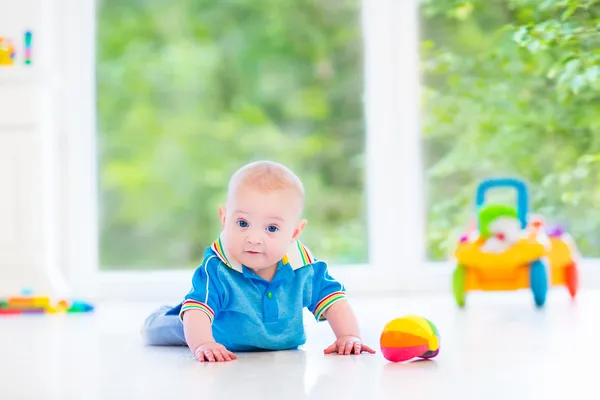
<point>189,91</point>
<point>512,87</point>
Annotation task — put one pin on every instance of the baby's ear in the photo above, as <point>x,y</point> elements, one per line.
<point>299,228</point>
<point>222,216</point>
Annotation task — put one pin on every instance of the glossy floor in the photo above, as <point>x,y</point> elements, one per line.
<point>500,347</point>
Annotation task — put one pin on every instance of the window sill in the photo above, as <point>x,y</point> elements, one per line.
<point>360,280</point>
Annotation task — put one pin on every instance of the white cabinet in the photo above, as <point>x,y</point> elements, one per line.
<point>28,180</point>
<point>9,197</point>
<point>20,219</point>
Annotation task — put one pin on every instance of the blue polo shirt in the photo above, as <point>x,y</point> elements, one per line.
<point>249,313</point>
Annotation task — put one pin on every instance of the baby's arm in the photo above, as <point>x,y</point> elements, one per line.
<point>202,304</point>
<point>198,335</point>
<point>342,320</point>
<point>329,303</point>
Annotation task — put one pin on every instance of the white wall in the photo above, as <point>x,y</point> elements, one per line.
<point>29,96</point>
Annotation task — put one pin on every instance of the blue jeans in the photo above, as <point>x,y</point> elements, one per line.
<point>161,329</point>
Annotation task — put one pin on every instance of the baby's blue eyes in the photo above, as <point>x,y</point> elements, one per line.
<point>270,228</point>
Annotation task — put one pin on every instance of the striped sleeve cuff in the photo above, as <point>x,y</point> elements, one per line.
<point>196,305</point>
<point>327,302</point>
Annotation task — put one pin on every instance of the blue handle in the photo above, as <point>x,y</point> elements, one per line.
<point>518,185</point>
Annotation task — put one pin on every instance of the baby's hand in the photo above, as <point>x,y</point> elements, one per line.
<point>346,345</point>
<point>213,351</point>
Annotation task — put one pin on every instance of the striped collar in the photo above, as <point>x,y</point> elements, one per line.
<point>297,255</point>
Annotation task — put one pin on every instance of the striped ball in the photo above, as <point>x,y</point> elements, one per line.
<point>409,337</point>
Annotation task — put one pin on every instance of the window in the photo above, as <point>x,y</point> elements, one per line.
<point>189,91</point>
<point>359,71</point>
<point>511,89</point>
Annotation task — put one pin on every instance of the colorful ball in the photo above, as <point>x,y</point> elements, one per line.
<point>409,337</point>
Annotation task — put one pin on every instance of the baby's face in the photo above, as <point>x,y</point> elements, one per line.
<point>258,226</point>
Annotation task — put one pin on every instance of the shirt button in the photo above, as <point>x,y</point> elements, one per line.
<point>269,295</point>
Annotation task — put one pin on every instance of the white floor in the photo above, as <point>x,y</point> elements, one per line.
<point>500,347</point>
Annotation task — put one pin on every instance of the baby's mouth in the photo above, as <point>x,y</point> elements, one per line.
<point>252,252</point>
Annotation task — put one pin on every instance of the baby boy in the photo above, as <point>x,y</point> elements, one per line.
<point>256,278</point>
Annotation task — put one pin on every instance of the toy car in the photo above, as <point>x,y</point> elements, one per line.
<point>509,249</point>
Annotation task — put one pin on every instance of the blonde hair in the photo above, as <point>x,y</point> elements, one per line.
<point>266,176</point>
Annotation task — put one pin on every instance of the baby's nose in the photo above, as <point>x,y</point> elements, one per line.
<point>254,238</point>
